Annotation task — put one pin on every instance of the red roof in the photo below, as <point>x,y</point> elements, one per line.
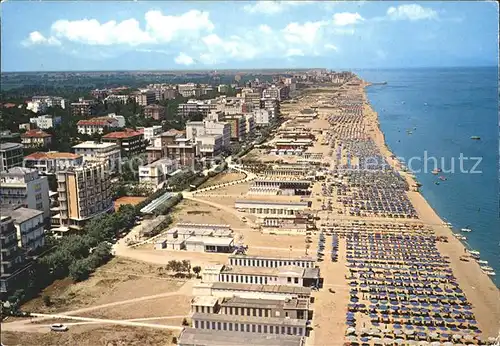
<point>37,133</point>
<point>127,133</point>
<point>105,121</point>
<point>51,155</point>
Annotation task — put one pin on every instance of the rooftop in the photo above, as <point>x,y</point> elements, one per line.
<point>262,288</point>
<point>219,241</point>
<point>249,201</point>
<point>264,271</point>
<point>9,146</point>
<point>294,303</point>
<point>22,214</point>
<point>127,133</point>
<point>204,301</point>
<point>209,337</point>
<point>36,133</point>
<point>93,145</point>
<point>52,155</point>
<point>302,258</point>
<point>248,319</point>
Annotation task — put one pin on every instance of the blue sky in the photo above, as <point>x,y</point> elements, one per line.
<point>85,35</point>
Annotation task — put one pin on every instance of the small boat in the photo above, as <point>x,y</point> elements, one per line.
<point>474,254</point>
<point>443,178</point>
<point>490,273</point>
<point>486,268</point>
<point>484,262</point>
<point>448,224</point>
<point>466,229</point>
<point>459,236</point>
<point>475,138</point>
<point>425,103</point>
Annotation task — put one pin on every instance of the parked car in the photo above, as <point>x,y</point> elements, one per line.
<point>58,328</point>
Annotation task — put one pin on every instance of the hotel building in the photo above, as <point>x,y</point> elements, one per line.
<point>84,192</point>
<point>104,152</point>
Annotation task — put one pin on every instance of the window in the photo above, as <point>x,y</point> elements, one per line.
<point>289,280</point>
<point>296,280</point>
<point>236,326</point>
<point>265,329</point>
<point>225,326</point>
<point>253,328</point>
<point>259,329</point>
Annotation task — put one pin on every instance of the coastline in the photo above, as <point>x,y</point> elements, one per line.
<point>478,287</point>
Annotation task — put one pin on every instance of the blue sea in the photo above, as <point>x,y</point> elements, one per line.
<point>443,108</point>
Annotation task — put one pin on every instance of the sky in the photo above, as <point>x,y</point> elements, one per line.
<point>181,35</point>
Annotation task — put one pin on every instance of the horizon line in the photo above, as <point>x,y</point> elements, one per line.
<point>253,69</point>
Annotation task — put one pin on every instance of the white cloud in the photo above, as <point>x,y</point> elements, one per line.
<point>271,7</point>
<point>329,46</point>
<point>36,38</point>
<point>411,12</point>
<point>266,29</point>
<point>347,18</point>
<point>159,28</point>
<point>303,34</point>
<point>294,52</point>
<point>183,59</point>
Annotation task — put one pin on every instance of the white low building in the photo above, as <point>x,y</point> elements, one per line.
<point>150,133</point>
<point>157,172</point>
<point>46,121</point>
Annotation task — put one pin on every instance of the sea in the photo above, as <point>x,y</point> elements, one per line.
<point>432,113</point>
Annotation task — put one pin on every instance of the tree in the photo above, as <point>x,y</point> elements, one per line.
<point>185,322</point>
<point>197,271</point>
<point>80,270</point>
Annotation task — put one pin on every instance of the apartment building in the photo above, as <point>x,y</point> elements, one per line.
<point>46,121</point>
<point>96,125</point>
<point>152,132</point>
<point>36,139</point>
<point>158,147</point>
<point>156,173</point>
<point>210,145</point>
<point>104,152</point>
<point>50,162</point>
<point>131,142</point>
<point>272,105</point>
<point>11,155</point>
<point>117,99</point>
<point>204,107</point>
<point>238,126</point>
<point>84,192</point>
<point>209,127</point>
<point>14,269</point>
<point>119,118</point>
<point>155,112</point>
<point>83,108</point>
<point>249,124</point>
<point>189,90</point>
<point>25,187</point>
<point>29,225</point>
<point>183,151</point>
<point>261,116</point>
<point>145,98</point>
<point>251,96</point>
<point>41,103</point>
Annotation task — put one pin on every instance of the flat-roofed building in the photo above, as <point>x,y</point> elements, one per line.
<point>285,275</point>
<point>145,98</point>
<point>249,324</point>
<point>228,290</point>
<point>84,192</point>
<point>205,304</point>
<point>211,273</point>
<point>25,187</point>
<point>198,237</point>
<point>183,151</point>
<point>46,121</point>
<point>209,337</point>
<point>271,262</point>
<point>83,107</point>
<point>104,152</point>
<point>270,208</point>
<point>288,308</point>
<point>156,173</point>
<point>155,112</point>
<point>11,155</point>
<point>97,125</point>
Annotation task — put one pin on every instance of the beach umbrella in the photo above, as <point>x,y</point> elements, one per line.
<point>447,343</point>
<point>350,330</point>
<point>456,336</point>
<point>435,343</point>
<point>399,341</point>
<point>409,332</point>
<point>352,338</point>
<point>469,337</point>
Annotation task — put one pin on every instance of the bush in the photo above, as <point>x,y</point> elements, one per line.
<point>174,340</point>
<point>185,322</point>
<point>46,300</point>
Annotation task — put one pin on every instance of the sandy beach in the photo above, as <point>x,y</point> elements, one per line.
<point>478,287</point>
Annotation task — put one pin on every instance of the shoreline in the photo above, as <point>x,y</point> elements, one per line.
<point>479,288</point>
